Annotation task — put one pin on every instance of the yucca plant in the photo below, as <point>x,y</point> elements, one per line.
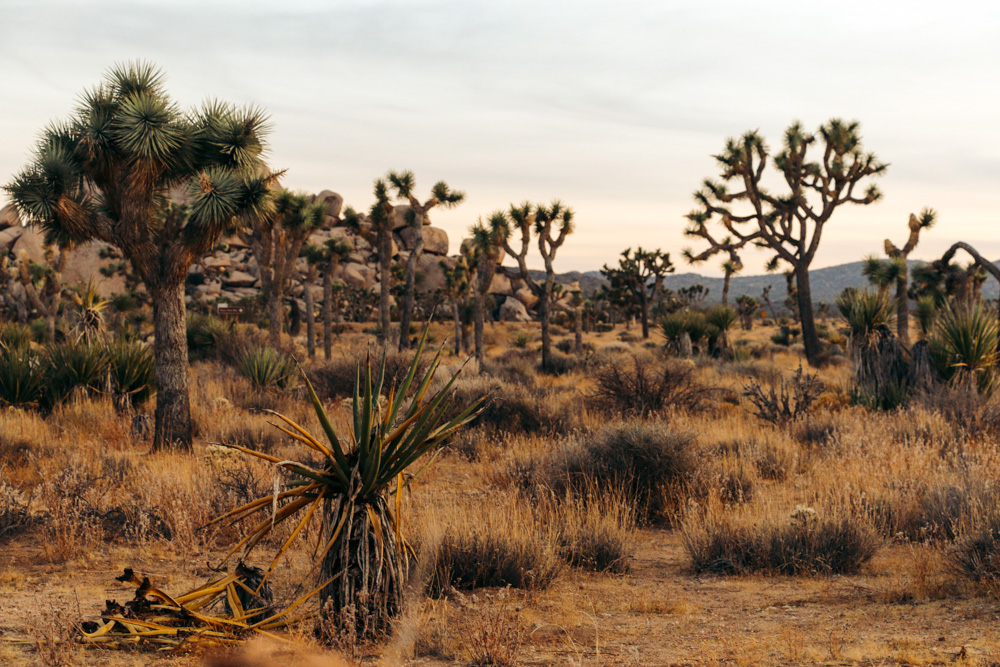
<point>927,312</point>
<point>21,376</point>
<point>89,310</point>
<point>70,365</point>
<point>265,367</point>
<point>203,334</point>
<point>14,336</point>
<point>363,556</point>
<point>964,347</point>
<point>865,311</point>
<point>130,367</point>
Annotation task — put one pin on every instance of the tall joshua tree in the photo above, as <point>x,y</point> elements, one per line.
<point>551,225</point>
<point>926,220</point>
<point>106,175</point>
<point>327,258</point>
<point>416,217</point>
<point>276,241</point>
<point>638,278</point>
<point>457,285</point>
<point>790,224</point>
<point>487,244</point>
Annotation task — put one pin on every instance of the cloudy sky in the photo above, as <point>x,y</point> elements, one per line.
<point>615,108</point>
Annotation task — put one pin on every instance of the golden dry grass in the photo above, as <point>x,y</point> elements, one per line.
<point>905,606</point>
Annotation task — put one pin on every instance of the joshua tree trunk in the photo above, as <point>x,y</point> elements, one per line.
<point>544,310</point>
<point>644,310</point>
<point>369,573</point>
<point>725,287</point>
<point>458,328</point>
<point>902,311</point>
<point>274,316</point>
<point>310,314</point>
<point>578,331</point>
<point>810,339</point>
<point>173,408</point>
<point>479,317</point>
<point>385,278</point>
<point>409,291</point>
<point>327,315</point>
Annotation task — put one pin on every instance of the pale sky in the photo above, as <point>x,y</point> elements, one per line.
<point>615,108</point>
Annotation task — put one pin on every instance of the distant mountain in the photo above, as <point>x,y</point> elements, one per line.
<point>826,283</point>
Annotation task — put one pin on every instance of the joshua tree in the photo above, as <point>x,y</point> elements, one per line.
<point>43,287</point>
<point>416,217</point>
<point>638,278</point>
<point>542,218</point>
<point>376,228</point>
<point>791,224</point>
<point>457,284</point>
<point>980,262</point>
<point>107,174</point>
<point>276,242</point>
<point>326,258</point>
<point>487,244</point>
<point>897,270</point>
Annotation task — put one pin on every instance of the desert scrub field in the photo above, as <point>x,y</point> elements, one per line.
<point>625,507</point>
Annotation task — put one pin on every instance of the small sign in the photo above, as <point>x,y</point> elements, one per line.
<point>230,310</point>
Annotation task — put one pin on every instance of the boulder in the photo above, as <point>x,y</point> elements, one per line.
<point>435,241</point>
<point>429,266</point>
<point>8,236</point>
<point>32,243</point>
<point>333,202</point>
<point>239,279</point>
<point>513,310</point>
<point>357,275</point>
<point>399,216</point>
<point>219,260</point>
<point>526,296</point>
<point>84,264</point>
<point>500,285</point>
<point>9,217</point>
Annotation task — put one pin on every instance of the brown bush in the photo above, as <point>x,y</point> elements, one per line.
<point>336,378</point>
<point>645,388</point>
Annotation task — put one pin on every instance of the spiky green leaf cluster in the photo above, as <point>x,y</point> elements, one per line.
<point>964,347</point>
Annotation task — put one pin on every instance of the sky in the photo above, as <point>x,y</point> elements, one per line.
<point>614,108</point>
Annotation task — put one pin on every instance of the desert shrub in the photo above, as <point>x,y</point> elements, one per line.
<point>648,463</point>
<point>494,547</point>
<point>204,334</point>
<point>70,366</point>
<point>804,544</point>
<point>976,555</point>
<point>691,322</point>
<point>266,367</point>
<point>511,368</point>
<point>132,376</point>
<point>15,510</point>
<point>785,335</point>
<point>595,535</point>
<point>736,485</point>
<point>493,634</point>
<point>645,388</point>
<point>521,341</point>
<point>932,512</point>
<point>559,364</point>
<point>336,378</point>
<point>21,376</point>
<point>815,431</point>
<point>509,408</point>
<point>252,436</point>
<point>786,401</point>
<point>977,416</point>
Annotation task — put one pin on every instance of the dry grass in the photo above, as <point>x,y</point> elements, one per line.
<point>549,494</point>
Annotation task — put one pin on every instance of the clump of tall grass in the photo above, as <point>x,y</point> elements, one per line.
<point>21,376</point>
<point>493,546</point>
<point>803,542</point>
<point>132,376</point>
<point>70,366</point>
<point>266,368</point>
